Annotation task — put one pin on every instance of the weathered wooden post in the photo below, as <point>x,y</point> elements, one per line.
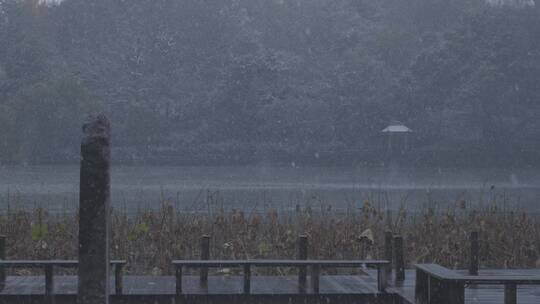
<point>473,263</point>
<point>510,294</point>
<point>118,279</point>
<point>421,287</point>
<point>389,222</point>
<point>94,201</point>
<point>2,257</point>
<point>205,255</point>
<point>398,256</point>
<point>247,279</point>
<point>388,251</point>
<point>302,255</point>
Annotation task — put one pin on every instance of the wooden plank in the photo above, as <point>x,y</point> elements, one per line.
<point>43,263</point>
<point>438,271</point>
<point>151,285</point>
<point>501,280</point>
<point>278,263</point>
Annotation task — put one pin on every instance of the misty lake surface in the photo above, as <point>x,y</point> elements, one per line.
<point>258,188</point>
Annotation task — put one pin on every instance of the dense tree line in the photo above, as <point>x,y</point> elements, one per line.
<point>216,81</point>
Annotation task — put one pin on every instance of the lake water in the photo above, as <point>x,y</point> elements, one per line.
<point>200,189</point>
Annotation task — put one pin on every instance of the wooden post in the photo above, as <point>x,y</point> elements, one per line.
<point>2,257</point>
<point>205,255</point>
<point>94,213</point>
<point>302,255</point>
<point>247,279</point>
<point>510,294</point>
<point>315,274</point>
<point>382,279</point>
<point>178,279</point>
<point>473,265</point>
<point>454,292</point>
<point>389,222</point>
<point>421,293</point>
<point>399,261</point>
<point>49,284</point>
<point>443,292</point>
<point>388,251</point>
<point>118,279</point>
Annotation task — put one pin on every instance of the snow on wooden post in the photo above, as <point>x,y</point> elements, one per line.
<point>94,201</point>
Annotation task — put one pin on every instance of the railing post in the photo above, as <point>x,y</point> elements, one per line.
<point>247,278</point>
<point>382,279</point>
<point>302,255</point>
<point>399,261</point>
<point>389,223</point>
<point>178,276</point>
<point>421,292</point>
<point>118,278</point>
<point>315,273</point>
<point>473,263</point>
<point>49,284</point>
<point>94,213</point>
<point>205,255</point>
<point>2,257</point>
<point>388,251</point>
<point>510,294</point>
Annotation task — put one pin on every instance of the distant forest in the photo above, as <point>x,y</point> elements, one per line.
<point>273,81</point>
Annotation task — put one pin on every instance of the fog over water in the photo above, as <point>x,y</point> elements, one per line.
<point>256,104</point>
<point>198,189</point>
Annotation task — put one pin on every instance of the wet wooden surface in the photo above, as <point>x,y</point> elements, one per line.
<point>165,285</point>
<point>480,294</point>
<point>279,285</point>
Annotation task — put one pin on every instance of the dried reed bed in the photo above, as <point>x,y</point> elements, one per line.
<point>150,239</point>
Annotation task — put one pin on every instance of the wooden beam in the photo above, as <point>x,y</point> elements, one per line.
<point>94,213</point>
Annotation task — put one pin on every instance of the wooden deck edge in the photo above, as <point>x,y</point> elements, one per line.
<point>406,298</point>
<point>218,299</point>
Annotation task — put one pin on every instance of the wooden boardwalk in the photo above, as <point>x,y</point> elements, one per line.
<point>481,294</point>
<point>358,288</point>
<point>221,289</point>
<point>165,285</point>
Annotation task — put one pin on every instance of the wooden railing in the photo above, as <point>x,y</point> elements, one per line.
<point>49,265</point>
<point>314,265</point>
<point>438,285</point>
